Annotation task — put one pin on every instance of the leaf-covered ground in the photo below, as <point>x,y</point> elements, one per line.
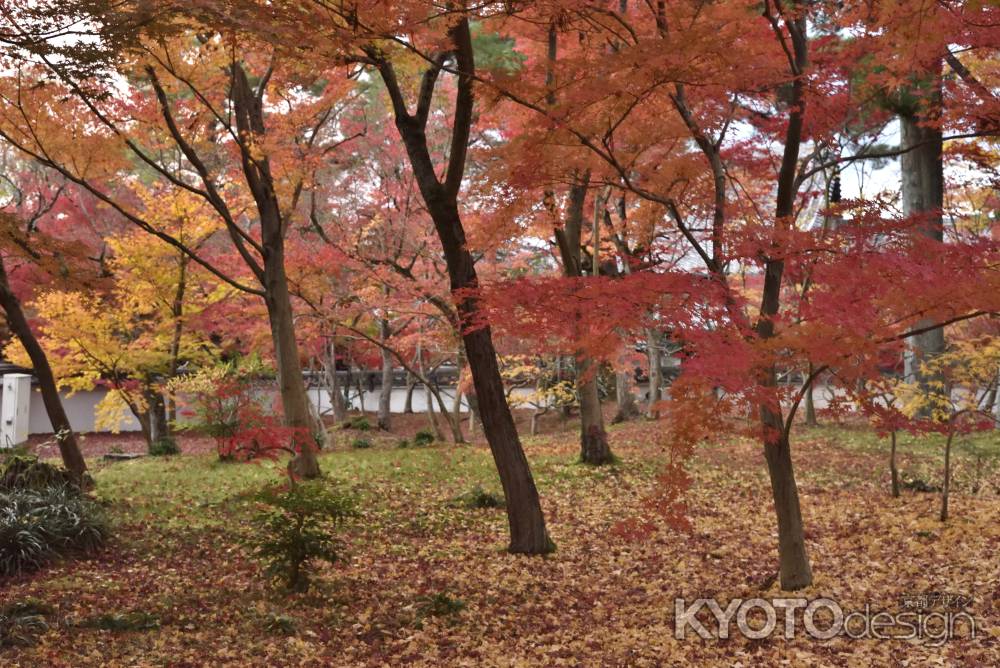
<point>426,581</point>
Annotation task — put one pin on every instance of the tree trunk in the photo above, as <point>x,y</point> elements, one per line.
<point>946,486</point>
<point>794,569</point>
<point>810,405</point>
<point>159,426</point>
<point>625,407</point>
<point>292,389</point>
<point>338,402</point>
<point>306,432</point>
<point>384,416</point>
<point>594,447</point>
<point>893,471</point>
<point>922,172</point>
<point>69,450</point>
<point>411,383</point>
<point>655,375</point>
<point>524,509</point>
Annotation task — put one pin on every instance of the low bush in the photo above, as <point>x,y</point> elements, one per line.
<point>120,621</point>
<point>295,527</point>
<point>164,447</point>
<point>359,422</point>
<point>422,438</point>
<point>26,472</point>
<point>478,497</point>
<point>38,526</point>
<point>361,444</point>
<point>21,622</point>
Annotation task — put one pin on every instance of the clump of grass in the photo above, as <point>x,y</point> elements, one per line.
<point>359,422</point>
<point>423,438</point>
<point>437,605</point>
<point>120,621</point>
<point>22,622</point>
<point>39,526</point>
<point>361,444</point>
<point>478,498</point>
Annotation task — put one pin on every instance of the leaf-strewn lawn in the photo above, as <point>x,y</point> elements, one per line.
<point>426,581</point>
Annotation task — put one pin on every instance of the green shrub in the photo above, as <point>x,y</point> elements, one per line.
<point>478,497</point>
<point>361,444</point>
<point>21,622</point>
<point>26,472</point>
<point>38,526</point>
<point>360,423</point>
<point>403,444</point>
<point>438,605</point>
<point>278,623</point>
<point>120,621</point>
<point>422,438</point>
<point>295,528</point>
<point>164,447</point>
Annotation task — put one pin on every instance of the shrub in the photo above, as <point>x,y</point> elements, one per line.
<point>360,423</point>
<point>402,444</point>
<point>38,526</point>
<point>478,498</point>
<point>293,529</point>
<point>26,472</point>
<point>422,438</point>
<point>361,444</point>
<point>438,605</point>
<point>121,621</point>
<point>164,447</point>
<point>21,622</point>
<point>227,407</point>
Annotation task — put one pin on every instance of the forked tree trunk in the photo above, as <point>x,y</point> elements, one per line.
<point>306,433</point>
<point>69,450</point>
<point>524,510</point>
<point>594,448</point>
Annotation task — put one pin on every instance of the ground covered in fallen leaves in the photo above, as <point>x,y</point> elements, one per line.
<point>425,579</point>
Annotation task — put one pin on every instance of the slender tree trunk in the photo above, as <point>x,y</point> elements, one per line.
<point>69,450</point>
<point>524,509</point>
<point>338,402</point>
<point>411,382</point>
<point>795,571</point>
<point>893,471</point>
<point>384,416</point>
<point>655,374</point>
<point>946,487</point>
<point>810,405</point>
<point>625,406</point>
